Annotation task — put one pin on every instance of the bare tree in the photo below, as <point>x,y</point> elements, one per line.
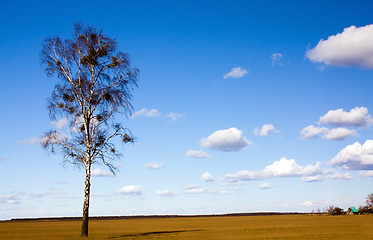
<point>95,82</point>
<point>369,200</point>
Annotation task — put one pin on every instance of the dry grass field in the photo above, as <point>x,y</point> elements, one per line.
<point>190,228</point>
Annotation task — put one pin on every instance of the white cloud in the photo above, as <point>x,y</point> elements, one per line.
<point>355,156</point>
<point>166,193</point>
<point>276,59</point>
<point>282,168</point>
<point>174,116</point>
<point>152,113</point>
<point>60,123</point>
<point>358,116</point>
<point>352,47</point>
<point>146,113</point>
<point>325,133</point>
<point>153,165</point>
<point>226,191</point>
<point>207,177</point>
<point>33,141</point>
<point>226,140</point>
<point>315,178</point>
<point>289,168</point>
<point>366,173</point>
<point>101,173</point>
<point>265,130</point>
<point>339,134</point>
<point>130,190</point>
<point>197,154</point>
<point>193,189</point>
<point>307,204</point>
<point>343,176</point>
<point>236,72</point>
<point>265,186</point>
<point>9,199</point>
<point>312,132</point>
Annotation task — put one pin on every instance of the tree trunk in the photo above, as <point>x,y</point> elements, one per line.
<point>87,189</point>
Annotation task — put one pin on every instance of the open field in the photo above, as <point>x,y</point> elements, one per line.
<point>189,228</point>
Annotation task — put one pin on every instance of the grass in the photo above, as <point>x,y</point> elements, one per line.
<point>189,228</point>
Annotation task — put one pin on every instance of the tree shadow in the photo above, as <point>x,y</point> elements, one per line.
<point>154,233</point>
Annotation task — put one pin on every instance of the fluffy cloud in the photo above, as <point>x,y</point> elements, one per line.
<point>153,165</point>
<point>352,47</point>
<point>289,168</point>
<point>282,168</point>
<point>226,140</point>
<point>166,193</point>
<point>358,117</point>
<point>236,72</point>
<point>130,190</point>
<point>197,154</point>
<point>313,132</point>
<point>325,133</point>
<point>355,156</point>
<point>60,123</point>
<point>146,113</point>
<point>276,59</point>
<point>339,134</point>
<point>265,130</point>
<point>101,173</point>
<point>207,177</point>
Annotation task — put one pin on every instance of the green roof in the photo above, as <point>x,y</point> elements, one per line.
<point>353,209</point>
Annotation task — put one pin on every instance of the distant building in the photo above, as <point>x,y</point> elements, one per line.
<point>352,211</point>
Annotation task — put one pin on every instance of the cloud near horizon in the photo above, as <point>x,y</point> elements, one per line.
<point>352,47</point>
<point>226,140</point>
<point>236,72</point>
<point>287,168</point>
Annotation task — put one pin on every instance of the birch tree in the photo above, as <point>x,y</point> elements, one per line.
<point>94,84</point>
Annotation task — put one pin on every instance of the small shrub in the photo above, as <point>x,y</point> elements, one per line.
<point>335,210</point>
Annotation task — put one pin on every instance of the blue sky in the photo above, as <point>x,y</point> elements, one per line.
<point>242,106</point>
